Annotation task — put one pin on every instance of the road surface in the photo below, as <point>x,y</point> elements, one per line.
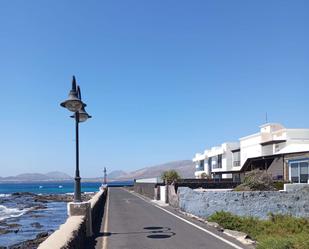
<point>131,222</point>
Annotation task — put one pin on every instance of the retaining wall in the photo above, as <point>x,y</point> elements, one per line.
<point>146,189</point>
<point>251,203</point>
<point>72,234</point>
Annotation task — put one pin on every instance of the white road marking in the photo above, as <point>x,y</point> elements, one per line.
<point>188,222</point>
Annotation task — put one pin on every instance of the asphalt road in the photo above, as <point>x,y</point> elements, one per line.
<point>133,223</point>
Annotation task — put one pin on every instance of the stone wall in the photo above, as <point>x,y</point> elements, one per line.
<point>97,209</point>
<point>72,234</point>
<point>146,189</point>
<point>252,203</point>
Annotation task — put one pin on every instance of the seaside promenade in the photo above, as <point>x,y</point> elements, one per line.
<point>133,222</point>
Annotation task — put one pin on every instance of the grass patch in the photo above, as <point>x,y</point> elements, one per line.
<point>278,232</point>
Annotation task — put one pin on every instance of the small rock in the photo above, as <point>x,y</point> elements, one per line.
<point>240,236</point>
<point>4,231</point>
<point>215,225</point>
<point>36,225</point>
<point>42,235</point>
<point>13,225</point>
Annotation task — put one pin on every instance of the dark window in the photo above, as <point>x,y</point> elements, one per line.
<point>294,172</point>
<point>210,162</point>
<point>219,161</point>
<point>201,166</point>
<point>303,172</point>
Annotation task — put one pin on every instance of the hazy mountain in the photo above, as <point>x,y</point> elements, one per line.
<point>185,168</point>
<point>116,174</point>
<point>58,175</point>
<point>29,177</point>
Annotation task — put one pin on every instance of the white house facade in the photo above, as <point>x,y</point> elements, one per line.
<point>283,152</point>
<point>215,161</point>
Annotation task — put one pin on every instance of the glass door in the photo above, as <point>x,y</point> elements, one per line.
<point>299,171</point>
<point>294,177</point>
<point>303,172</point>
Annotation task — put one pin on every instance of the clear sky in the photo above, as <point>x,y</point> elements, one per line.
<point>163,79</point>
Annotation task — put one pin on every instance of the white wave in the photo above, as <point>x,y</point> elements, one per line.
<point>69,193</point>
<point>6,213</point>
<point>5,195</point>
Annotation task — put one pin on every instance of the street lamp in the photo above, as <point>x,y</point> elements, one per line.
<point>105,176</point>
<point>74,104</point>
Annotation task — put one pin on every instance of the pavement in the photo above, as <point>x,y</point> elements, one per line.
<point>133,222</point>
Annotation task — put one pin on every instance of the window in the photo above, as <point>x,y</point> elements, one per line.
<point>201,166</point>
<point>216,162</point>
<point>303,172</point>
<point>210,162</point>
<point>236,158</point>
<point>294,172</point>
<point>299,171</point>
<point>219,161</point>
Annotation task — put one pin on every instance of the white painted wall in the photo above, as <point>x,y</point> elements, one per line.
<point>163,193</point>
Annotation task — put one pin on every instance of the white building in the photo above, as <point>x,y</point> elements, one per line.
<point>215,161</point>
<point>283,152</point>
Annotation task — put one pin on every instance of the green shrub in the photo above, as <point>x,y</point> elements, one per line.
<point>279,185</point>
<point>275,243</point>
<point>256,180</point>
<point>278,232</point>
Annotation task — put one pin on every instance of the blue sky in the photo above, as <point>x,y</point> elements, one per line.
<point>163,79</point>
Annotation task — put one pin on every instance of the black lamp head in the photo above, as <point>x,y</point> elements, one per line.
<point>73,103</point>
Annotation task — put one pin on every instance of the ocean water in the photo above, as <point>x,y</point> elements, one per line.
<point>19,210</point>
<point>54,187</point>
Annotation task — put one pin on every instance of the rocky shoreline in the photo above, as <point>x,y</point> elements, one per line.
<point>31,204</point>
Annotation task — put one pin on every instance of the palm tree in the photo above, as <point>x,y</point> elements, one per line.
<point>170,176</point>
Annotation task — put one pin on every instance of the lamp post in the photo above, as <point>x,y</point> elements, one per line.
<point>105,176</point>
<point>74,104</point>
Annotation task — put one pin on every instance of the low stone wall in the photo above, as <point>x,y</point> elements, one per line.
<point>97,209</point>
<point>252,203</point>
<point>146,189</point>
<point>72,234</point>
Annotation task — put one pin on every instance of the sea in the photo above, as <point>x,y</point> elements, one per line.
<point>23,223</point>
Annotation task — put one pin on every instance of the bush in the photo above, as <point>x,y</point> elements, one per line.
<point>256,180</point>
<point>279,185</point>
<point>205,176</point>
<point>275,243</point>
<point>278,232</point>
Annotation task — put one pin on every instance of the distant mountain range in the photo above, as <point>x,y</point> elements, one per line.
<point>185,168</point>
<point>31,177</point>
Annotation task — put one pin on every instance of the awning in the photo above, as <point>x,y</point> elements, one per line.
<point>293,148</point>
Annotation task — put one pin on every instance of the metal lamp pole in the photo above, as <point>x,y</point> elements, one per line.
<point>74,104</point>
<point>77,187</point>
